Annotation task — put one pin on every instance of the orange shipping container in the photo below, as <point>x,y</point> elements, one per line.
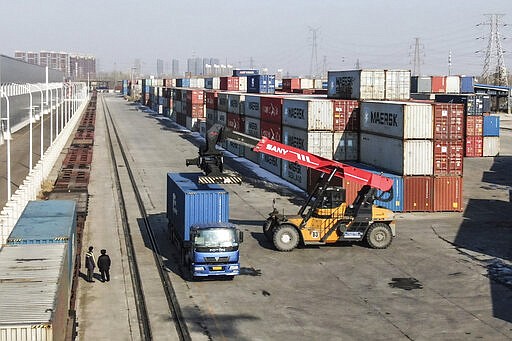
<point>474,146</point>
<point>345,115</point>
<point>447,193</point>
<point>448,157</point>
<point>418,193</point>
<point>474,125</point>
<point>439,84</point>
<point>448,121</point>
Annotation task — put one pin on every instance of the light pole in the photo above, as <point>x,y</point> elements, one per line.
<point>7,136</point>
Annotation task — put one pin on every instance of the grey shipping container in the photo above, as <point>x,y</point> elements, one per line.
<point>356,84</point>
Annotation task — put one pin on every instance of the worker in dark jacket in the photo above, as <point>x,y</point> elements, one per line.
<point>90,264</point>
<point>104,265</point>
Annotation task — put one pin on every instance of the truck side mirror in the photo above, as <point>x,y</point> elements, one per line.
<point>240,236</point>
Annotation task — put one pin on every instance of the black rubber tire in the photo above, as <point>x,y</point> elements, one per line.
<point>286,237</point>
<point>268,230</point>
<point>379,236</point>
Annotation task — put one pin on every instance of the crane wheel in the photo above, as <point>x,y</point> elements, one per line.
<point>286,237</point>
<point>379,236</point>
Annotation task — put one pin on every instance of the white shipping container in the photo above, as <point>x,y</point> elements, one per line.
<point>356,84</point>
<point>222,101</point>
<point>296,174</point>
<point>452,84</point>
<point>252,126</point>
<point>346,146</point>
<point>491,146</point>
<point>317,83</point>
<point>192,124</point>
<point>306,83</point>
<point>242,83</point>
<point>193,83</point>
<point>270,163</point>
<point>315,142</point>
<point>236,103</point>
<point>398,84</point>
<point>211,116</point>
<point>251,155</point>
<point>216,83</point>
<point>308,114</point>
<point>222,117</point>
<point>402,120</point>
<point>404,157</point>
<point>252,106</point>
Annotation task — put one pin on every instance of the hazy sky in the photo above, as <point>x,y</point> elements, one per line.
<point>276,34</point>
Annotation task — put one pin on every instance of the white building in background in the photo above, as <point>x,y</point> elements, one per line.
<point>74,66</point>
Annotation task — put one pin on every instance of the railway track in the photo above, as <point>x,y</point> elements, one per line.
<point>120,160</point>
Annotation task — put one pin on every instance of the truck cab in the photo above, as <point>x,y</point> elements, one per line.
<point>214,250</point>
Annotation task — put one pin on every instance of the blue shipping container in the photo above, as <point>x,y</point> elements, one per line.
<point>261,84</point>
<point>190,203</point>
<point>467,84</point>
<point>397,203</point>
<point>491,126</point>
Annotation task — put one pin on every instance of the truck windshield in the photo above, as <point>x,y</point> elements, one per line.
<point>216,237</point>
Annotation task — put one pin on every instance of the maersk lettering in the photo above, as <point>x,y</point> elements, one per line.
<point>297,113</point>
<point>254,106</point>
<point>384,118</point>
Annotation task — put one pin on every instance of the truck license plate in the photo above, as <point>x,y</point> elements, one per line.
<point>216,268</point>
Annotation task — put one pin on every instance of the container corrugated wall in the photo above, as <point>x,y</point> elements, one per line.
<point>447,194</point>
<point>491,146</point>
<point>418,193</point>
<point>345,146</point>
<point>397,156</point>
<point>252,106</point>
<point>448,121</point>
<point>398,84</point>
<point>491,125</point>
<point>452,84</point>
<point>345,115</point>
<point>356,84</point>
<point>308,114</point>
<point>403,120</point>
<point>315,142</point>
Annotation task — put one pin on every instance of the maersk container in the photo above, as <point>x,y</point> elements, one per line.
<point>270,163</point>
<point>211,117</point>
<point>398,84</point>
<point>236,103</point>
<point>252,106</point>
<point>345,146</point>
<point>396,204</point>
<point>491,126</point>
<point>467,84</point>
<point>402,120</point>
<point>35,286</point>
<point>252,127</point>
<point>308,114</point>
<point>491,146</point>
<point>421,84</point>
<point>452,84</point>
<point>315,142</point>
<point>222,117</point>
<point>190,203</point>
<point>357,84</point>
<point>404,157</point>
<point>295,174</point>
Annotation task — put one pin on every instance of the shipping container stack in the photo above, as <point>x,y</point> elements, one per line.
<point>235,120</point>
<point>271,115</point>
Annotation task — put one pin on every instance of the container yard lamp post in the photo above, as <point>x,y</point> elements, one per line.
<point>6,132</point>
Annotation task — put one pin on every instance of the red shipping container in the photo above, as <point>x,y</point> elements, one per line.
<point>418,193</point>
<point>474,125</point>
<point>345,115</point>
<point>448,157</point>
<point>474,146</point>
<point>211,99</point>
<point>448,121</point>
<point>195,96</point>
<point>289,84</point>
<point>235,122</point>
<point>229,83</point>
<point>271,130</point>
<point>271,109</point>
<point>351,189</point>
<point>447,194</point>
<point>439,84</point>
<point>195,110</point>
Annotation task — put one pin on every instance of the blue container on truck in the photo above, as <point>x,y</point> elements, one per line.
<point>199,224</point>
<point>491,126</point>
<point>47,222</point>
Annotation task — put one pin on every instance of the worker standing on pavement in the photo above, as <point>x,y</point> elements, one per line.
<point>104,265</point>
<point>90,264</point>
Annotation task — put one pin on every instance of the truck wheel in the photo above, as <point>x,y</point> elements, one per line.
<point>286,237</point>
<point>379,236</point>
<point>267,229</point>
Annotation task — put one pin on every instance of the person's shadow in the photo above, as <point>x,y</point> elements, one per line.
<point>95,275</point>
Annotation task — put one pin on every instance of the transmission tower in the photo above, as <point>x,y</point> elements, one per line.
<point>494,71</point>
<point>314,57</point>
<point>416,63</point>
